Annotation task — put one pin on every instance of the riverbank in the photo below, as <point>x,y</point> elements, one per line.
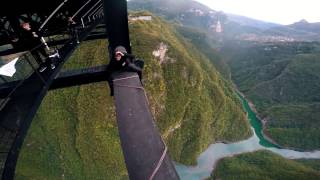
<point>263,121</point>
<point>263,124</point>
<point>256,122</point>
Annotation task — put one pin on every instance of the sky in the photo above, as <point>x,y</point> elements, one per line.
<point>277,11</point>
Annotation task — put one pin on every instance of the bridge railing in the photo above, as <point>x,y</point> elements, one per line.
<point>18,67</point>
<point>95,11</point>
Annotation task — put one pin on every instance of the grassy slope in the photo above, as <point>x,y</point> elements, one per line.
<point>262,165</point>
<point>74,133</point>
<point>284,86</point>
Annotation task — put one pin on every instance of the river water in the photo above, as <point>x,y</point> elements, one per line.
<point>208,159</point>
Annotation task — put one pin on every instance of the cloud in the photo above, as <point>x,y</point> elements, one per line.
<point>283,12</point>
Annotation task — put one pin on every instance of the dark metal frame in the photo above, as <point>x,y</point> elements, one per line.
<point>144,150</point>
<point>21,131</point>
<point>157,165</point>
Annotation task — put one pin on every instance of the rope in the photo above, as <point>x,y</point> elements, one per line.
<point>154,172</point>
<point>136,87</point>
<point>130,77</point>
<point>159,163</point>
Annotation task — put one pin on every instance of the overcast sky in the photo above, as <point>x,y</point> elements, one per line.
<point>278,11</point>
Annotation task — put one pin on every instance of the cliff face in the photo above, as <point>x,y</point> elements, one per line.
<point>74,134</point>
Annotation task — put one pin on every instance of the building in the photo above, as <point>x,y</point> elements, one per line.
<point>142,18</point>
<point>219,27</point>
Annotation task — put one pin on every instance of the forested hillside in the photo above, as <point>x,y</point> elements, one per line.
<point>283,82</point>
<point>264,165</point>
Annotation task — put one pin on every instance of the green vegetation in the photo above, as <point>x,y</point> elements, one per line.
<point>295,125</point>
<point>205,45</point>
<point>88,54</point>
<point>74,135</point>
<point>282,81</point>
<point>312,163</point>
<point>191,94</point>
<point>263,165</point>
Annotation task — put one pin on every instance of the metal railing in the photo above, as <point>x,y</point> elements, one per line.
<point>90,10</point>
<point>11,142</point>
<point>52,14</point>
<point>80,9</point>
<point>94,11</point>
<point>26,65</point>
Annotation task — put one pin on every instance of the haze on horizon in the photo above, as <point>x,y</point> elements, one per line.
<point>276,11</point>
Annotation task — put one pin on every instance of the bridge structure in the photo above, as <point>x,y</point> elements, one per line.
<point>24,87</point>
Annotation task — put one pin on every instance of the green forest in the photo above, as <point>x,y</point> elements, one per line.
<point>265,165</point>
<point>283,82</point>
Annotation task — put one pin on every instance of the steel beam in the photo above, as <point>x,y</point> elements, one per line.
<point>116,19</point>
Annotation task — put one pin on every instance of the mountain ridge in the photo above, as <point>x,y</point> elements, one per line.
<point>196,15</point>
<point>282,81</point>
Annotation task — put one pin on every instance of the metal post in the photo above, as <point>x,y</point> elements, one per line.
<point>45,43</point>
<point>94,12</point>
<point>91,9</point>
<point>75,14</point>
<point>116,17</point>
<point>97,13</point>
<point>82,23</point>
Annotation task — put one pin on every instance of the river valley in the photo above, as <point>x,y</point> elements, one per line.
<point>210,157</point>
